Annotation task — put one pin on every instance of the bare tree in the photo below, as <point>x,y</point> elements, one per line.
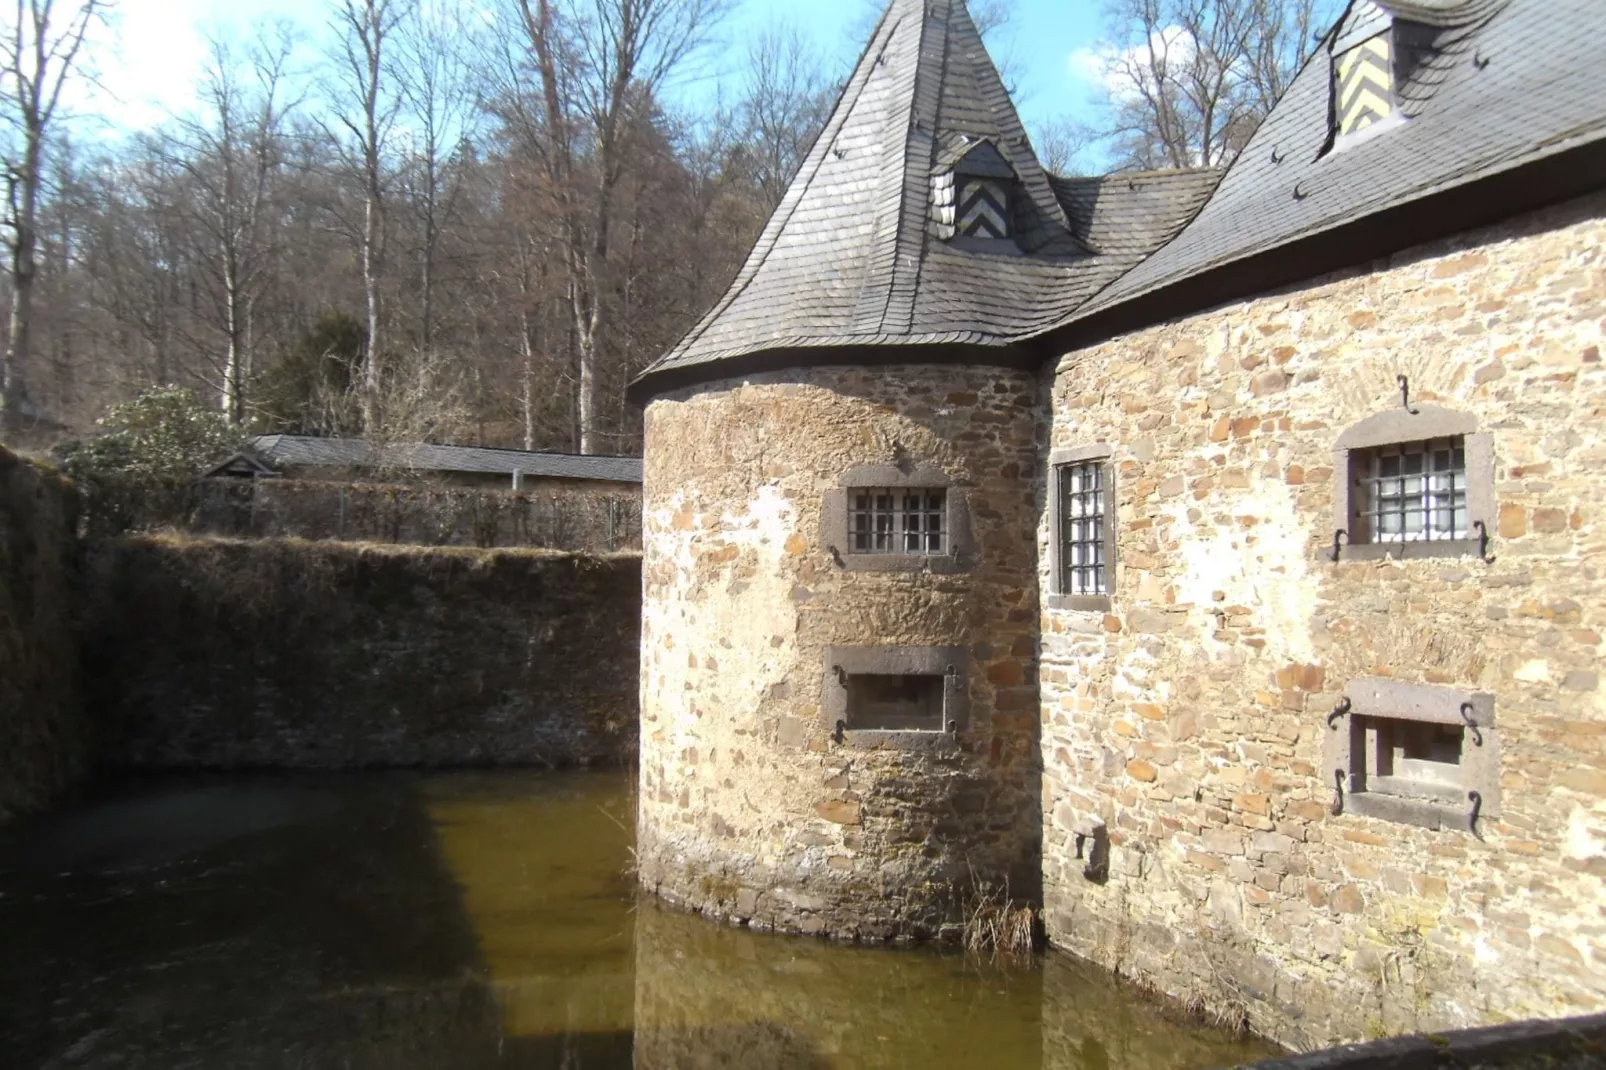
<point>785,101</point>
<point>367,114</point>
<point>1063,145</point>
<point>1191,79</point>
<point>38,57</point>
<point>598,68</point>
<point>232,155</point>
<point>440,117</point>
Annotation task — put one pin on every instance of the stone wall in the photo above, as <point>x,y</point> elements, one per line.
<point>1190,717</point>
<point>557,514</point>
<point>42,740</point>
<point>751,809</point>
<point>217,653</point>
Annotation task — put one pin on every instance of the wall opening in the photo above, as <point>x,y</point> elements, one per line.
<point>895,702</point>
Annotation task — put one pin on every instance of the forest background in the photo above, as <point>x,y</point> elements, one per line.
<point>474,221</point>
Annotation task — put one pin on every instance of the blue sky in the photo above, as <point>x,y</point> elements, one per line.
<point>149,62</point>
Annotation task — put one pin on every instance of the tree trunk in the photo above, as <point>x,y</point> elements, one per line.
<point>24,203</point>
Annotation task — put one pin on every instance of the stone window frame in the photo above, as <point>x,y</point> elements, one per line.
<point>1402,426</point>
<point>960,555</point>
<point>950,662</point>
<point>1057,597</point>
<point>1375,698</point>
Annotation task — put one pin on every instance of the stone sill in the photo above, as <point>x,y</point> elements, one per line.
<point>910,739</point>
<point>1429,815</point>
<point>942,564</point>
<point>1410,551</point>
<point>1082,603</point>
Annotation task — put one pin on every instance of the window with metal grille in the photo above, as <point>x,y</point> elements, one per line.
<point>1411,491</point>
<point>1083,509</point>
<point>894,520</point>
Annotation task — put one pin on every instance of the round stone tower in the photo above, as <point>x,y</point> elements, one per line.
<point>839,723</point>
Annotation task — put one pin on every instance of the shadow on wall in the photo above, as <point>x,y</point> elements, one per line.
<point>291,654</point>
<point>42,735</point>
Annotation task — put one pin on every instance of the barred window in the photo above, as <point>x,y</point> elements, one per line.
<point>1411,491</point>
<point>1083,509</point>
<point>888,520</point>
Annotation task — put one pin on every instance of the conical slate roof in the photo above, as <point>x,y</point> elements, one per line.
<point>863,249</point>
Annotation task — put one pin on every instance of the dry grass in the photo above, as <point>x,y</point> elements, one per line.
<point>996,924</point>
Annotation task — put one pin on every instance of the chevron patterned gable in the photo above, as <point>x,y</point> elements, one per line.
<point>1365,84</point>
<point>983,208</point>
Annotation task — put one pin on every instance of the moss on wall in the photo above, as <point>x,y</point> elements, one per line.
<point>42,739</point>
<point>209,653</point>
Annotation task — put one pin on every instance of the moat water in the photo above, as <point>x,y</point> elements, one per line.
<point>477,919</point>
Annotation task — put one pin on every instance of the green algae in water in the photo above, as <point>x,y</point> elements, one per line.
<point>478,919</point>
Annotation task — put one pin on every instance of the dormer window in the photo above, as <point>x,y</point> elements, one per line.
<point>972,193</point>
<point>1376,55</point>
<point>1364,84</point>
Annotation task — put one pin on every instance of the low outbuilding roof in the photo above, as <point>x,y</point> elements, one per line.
<point>307,451</point>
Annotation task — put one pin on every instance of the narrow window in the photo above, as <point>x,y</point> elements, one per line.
<point>1083,512</point>
<point>890,520</point>
<point>1411,492</point>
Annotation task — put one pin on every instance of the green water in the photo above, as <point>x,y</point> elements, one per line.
<point>467,920</point>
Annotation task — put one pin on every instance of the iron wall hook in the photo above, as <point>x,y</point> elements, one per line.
<point>1405,395</point>
<point>1466,715</point>
<point>1483,540</point>
<point>1476,799</point>
<point>1340,539</point>
<point>1337,806</point>
<point>1341,710</point>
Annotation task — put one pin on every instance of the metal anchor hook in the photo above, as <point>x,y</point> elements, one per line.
<point>1341,710</point>
<point>1405,394</point>
<point>1483,540</point>
<point>841,675</point>
<point>1466,715</point>
<point>840,734</point>
<point>1337,806</point>
<point>1476,799</point>
<point>1340,537</point>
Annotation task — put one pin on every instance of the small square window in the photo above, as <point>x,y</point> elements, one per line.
<point>1418,754</point>
<point>895,702</point>
<point>1083,534</point>
<point>1410,492</point>
<point>894,520</point>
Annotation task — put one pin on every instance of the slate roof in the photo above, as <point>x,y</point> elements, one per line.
<point>1508,83</point>
<point>291,451</point>
<point>850,257</point>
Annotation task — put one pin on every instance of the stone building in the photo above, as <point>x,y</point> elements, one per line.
<point>1218,557</point>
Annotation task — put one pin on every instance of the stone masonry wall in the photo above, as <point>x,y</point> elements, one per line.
<point>1190,717</point>
<point>750,809</point>
<point>42,740</point>
<point>211,653</point>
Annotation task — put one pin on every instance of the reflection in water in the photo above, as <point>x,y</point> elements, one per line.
<point>469,920</point>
